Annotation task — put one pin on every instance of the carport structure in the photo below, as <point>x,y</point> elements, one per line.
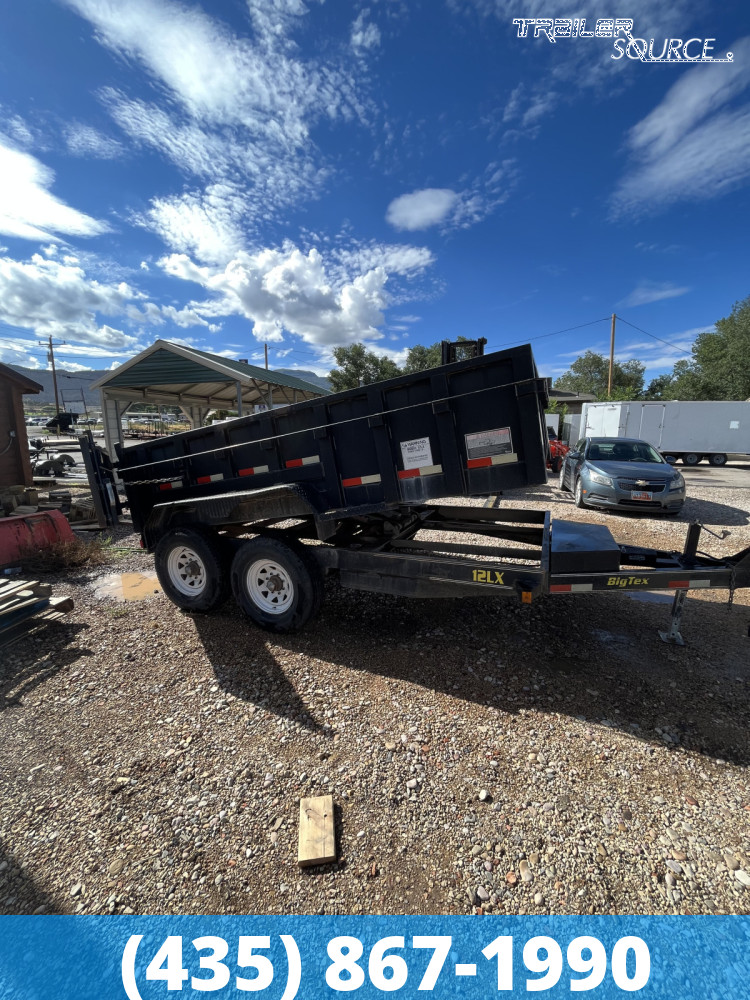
<point>197,382</point>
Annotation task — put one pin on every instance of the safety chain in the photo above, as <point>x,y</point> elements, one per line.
<point>732,585</point>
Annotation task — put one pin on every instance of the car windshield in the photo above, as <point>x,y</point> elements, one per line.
<point>623,451</point>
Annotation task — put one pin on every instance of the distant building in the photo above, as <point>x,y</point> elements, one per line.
<point>15,465</point>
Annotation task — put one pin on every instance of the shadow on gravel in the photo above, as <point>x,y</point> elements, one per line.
<point>24,667</point>
<point>598,658</point>
<point>246,669</point>
<point>19,893</point>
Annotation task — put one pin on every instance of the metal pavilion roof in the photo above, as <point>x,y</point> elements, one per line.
<point>172,373</point>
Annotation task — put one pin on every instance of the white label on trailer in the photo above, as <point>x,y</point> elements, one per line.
<point>416,453</point>
<point>485,444</point>
<point>734,425</point>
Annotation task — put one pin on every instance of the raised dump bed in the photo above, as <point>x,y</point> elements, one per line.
<point>470,428</point>
<point>265,507</point>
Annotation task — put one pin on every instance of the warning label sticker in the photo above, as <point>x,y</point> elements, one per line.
<point>485,444</point>
<point>416,453</point>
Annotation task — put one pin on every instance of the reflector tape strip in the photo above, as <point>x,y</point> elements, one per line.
<point>210,479</point>
<point>175,484</point>
<point>686,584</point>
<point>255,471</point>
<point>481,463</point>
<point>570,588</point>
<point>425,470</point>
<point>360,481</point>
<point>294,463</point>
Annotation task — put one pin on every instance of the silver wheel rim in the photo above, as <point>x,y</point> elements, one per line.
<point>269,586</point>
<point>187,572</point>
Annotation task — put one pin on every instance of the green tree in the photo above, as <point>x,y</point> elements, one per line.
<point>419,358</point>
<point>589,373</point>
<point>358,366</point>
<point>719,366</point>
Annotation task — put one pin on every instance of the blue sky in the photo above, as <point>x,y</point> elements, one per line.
<point>311,174</point>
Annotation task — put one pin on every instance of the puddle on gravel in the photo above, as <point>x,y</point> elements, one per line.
<point>128,586</point>
<point>650,597</point>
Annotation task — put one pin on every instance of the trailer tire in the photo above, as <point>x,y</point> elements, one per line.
<point>718,459</point>
<point>691,458</point>
<point>276,583</point>
<point>192,566</point>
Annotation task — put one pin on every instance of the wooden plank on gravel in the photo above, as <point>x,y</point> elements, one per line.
<point>22,611</point>
<point>61,604</point>
<point>317,835</point>
<point>12,587</point>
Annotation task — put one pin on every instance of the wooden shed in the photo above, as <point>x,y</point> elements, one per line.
<point>15,466</point>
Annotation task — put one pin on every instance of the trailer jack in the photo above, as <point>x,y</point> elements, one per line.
<point>673,636</point>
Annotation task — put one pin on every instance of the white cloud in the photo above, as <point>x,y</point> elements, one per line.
<point>286,291</point>
<point>679,151</point>
<point>652,291</point>
<point>454,210</point>
<point>365,35</point>
<point>50,297</point>
<point>206,225</point>
<point>392,257</point>
<point>421,209</point>
<point>84,140</point>
<point>27,208</point>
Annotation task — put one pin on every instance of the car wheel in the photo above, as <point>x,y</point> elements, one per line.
<point>580,502</point>
<point>276,583</point>
<point>690,458</point>
<point>561,481</point>
<point>718,460</point>
<point>192,569</point>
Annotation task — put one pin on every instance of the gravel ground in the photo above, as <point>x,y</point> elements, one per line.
<point>482,755</point>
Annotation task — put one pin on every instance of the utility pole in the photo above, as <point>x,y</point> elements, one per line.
<point>51,358</point>
<point>611,356</point>
<point>266,350</point>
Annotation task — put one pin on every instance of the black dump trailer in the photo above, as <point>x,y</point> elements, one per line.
<point>265,506</point>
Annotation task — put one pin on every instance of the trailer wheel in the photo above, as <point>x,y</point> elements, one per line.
<point>277,583</point>
<point>718,459</point>
<point>690,458</point>
<point>192,568</point>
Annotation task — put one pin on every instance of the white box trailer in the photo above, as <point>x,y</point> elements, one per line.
<point>690,431</point>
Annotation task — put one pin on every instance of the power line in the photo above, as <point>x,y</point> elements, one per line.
<point>653,337</point>
<point>542,336</point>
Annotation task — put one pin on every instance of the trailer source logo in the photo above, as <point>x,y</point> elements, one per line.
<point>669,50</point>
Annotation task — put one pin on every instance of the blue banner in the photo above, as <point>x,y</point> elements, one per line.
<point>151,958</point>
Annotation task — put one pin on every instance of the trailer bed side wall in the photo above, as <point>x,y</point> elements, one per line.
<point>471,428</point>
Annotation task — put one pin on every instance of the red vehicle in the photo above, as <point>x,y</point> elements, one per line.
<point>557,451</point>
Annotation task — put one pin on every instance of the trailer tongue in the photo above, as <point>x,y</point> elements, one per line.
<point>341,484</point>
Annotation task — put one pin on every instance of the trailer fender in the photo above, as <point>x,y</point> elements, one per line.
<point>242,507</point>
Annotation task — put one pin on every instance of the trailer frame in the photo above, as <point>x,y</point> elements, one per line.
<point>375,548</point>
